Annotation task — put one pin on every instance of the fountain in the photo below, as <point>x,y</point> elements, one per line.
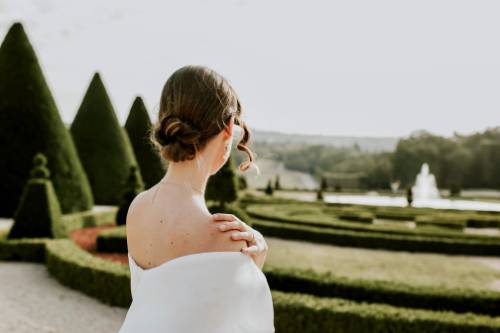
<point>425,194</point>
<point>425,185</point>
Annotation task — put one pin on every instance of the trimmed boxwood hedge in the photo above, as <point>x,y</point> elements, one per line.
<point>260,213</point>
<point>88,218</point>
<point>103,145</point>
<point>112,240</point>
<point>138,125</point>
<point>397,294</point>
<point>30,123</point>
<point>23,249</point>
<point>293,312</point>
<point>103,279</point>
<point>327,285</point>
<point>443,220</point>
<point>487,246</point>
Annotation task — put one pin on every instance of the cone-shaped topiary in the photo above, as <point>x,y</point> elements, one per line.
<point>132,187</point>
<point>103,145</point>
<point>319,194</point>
<point>30,123</point>
<point>138,124</point>
<point>222,187</point>
<point>38,213</point>
<point>269,188</point>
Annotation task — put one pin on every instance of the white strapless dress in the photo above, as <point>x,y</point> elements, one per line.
<point>209,292</point>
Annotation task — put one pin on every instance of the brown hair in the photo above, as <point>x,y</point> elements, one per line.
<point>196,104</point>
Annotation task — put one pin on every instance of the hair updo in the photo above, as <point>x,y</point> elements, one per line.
<point>196,104</point>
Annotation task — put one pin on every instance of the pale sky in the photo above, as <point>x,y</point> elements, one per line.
<point>362,68</point>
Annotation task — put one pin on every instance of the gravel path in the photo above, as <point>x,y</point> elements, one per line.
<point>32,301</point>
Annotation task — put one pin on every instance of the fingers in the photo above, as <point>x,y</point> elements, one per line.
<point>233,225</point>
<point>224,217</point>
<point>251,249</point>
<point>246,235</point>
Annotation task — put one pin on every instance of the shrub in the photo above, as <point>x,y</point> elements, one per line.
<point>103,145</point>
<point>319,195</point>
<point>89,218</point>
<point>483,221</point>
<point>328,285</point>
<point>353,214</point>
<point>296,313</point>
<point>138,124</point>
<point>312,214</point>
<point>397,294</point>
<point>222,187</point>
<point>23,249</point>
<point>103,279</point>
<point>489,246</point>
<point>443,220</point>
<point>38,214</point>
<point>30,123</point>
<point>132,187</point>
<point>293,312</point>
<point>269,188</point>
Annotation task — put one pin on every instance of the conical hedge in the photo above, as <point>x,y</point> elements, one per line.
<point>103,145</point>
<point>222,187</point>
<point>131,188</point>
<point>39,212</point>
<point>137,126</point>
<point>30,123</point>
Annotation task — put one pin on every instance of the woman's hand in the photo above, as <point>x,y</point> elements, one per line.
<point>257,246</point>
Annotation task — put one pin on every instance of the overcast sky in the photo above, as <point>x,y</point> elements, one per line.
<point>363,68</point>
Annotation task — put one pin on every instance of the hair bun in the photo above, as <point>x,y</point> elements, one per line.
<point>177,137</point>
<point>175,129</point>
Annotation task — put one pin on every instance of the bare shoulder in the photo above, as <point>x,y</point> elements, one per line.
<point>134,208</point>
<point>222,240</point>
<point>139,198</point>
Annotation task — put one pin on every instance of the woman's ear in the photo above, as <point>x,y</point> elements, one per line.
<point>228,130</point>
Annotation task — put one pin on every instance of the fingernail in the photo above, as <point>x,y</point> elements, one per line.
<point>234,234</point>
<point>222,227</point>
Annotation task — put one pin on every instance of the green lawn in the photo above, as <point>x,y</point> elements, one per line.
<point>400,267</point>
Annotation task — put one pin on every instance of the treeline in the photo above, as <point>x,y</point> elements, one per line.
<point>459,161</point>
<point>463,161</point>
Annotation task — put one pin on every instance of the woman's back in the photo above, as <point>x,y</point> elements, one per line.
<point>192,278</point>
<point>166,222</point>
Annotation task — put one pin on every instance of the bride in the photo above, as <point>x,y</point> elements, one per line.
<point>193,271</point>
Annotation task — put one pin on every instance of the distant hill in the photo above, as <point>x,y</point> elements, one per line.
<point>370,144</point>
<point>365,143</point>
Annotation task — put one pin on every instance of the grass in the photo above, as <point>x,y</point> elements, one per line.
<point>400,267</point>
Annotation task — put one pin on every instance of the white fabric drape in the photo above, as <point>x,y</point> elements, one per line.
<point>209,292</point>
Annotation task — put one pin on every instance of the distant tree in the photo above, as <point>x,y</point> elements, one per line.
<point>269,188</point>
<point>131,188</point>
<point>409,196</point>
<point>30,123</point>
<point>455,190</point>
<point>319,194</point>
<point>38,214</point>
<point>242,182</point>
<point>138,125</point>
<point>222,186</point>
<point>324,184</point>
<point>103,145</point>
<point>277,185</point>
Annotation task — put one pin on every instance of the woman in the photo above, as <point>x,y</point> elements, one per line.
<point>192,271</point>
